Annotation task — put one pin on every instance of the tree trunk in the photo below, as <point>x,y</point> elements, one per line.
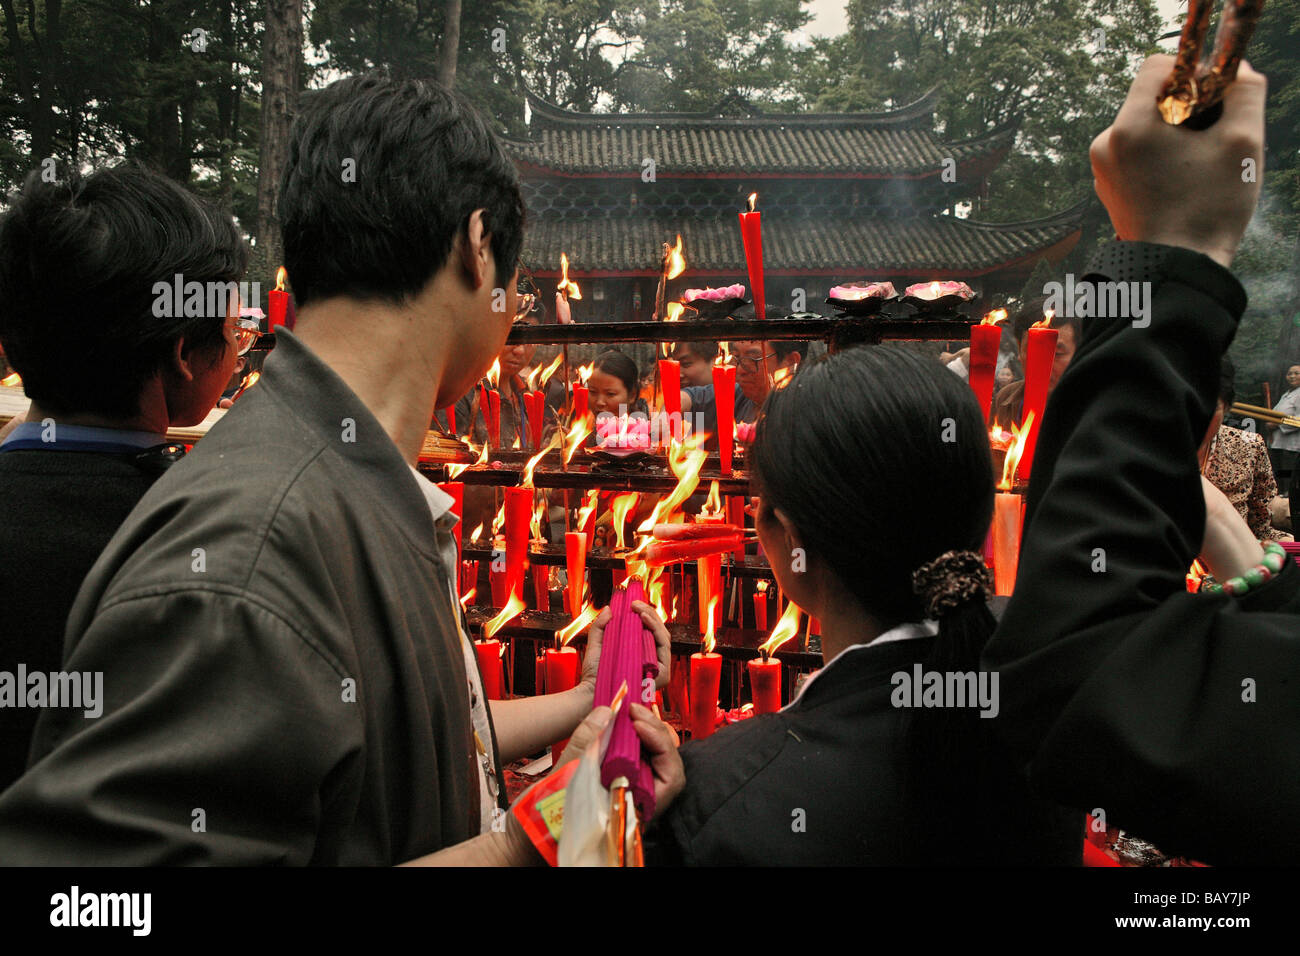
<point>281,66</point>
<point>450,45</point>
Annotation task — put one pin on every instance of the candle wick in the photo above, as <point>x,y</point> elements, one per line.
<point>765,652</point>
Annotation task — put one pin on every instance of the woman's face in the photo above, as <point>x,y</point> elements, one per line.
<point>605,393</point>
<point>1005,376</point>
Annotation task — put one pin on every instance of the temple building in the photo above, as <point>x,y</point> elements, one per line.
<point>844,197</point>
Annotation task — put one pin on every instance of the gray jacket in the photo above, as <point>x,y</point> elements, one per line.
<point>282,675</point>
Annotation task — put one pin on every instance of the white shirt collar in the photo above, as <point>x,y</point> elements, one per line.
<point>439,501</point>
<point>904,632</point>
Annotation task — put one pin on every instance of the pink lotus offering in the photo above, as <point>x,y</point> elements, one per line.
<point>745,432</point>
<point>714,295</point>
<point>622,433</point>
<point>857,292</point>
<point>930,291</point>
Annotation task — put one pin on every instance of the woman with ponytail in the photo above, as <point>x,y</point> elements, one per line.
<point>875,492</point>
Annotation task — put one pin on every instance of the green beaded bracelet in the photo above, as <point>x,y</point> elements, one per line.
<point>1254,578</point>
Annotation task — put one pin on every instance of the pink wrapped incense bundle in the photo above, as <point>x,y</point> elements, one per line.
<point>627,654</point>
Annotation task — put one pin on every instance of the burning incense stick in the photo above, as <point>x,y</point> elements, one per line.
<point>1193,94</point>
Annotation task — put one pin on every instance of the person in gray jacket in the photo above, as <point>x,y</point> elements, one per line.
<point>286,676</point>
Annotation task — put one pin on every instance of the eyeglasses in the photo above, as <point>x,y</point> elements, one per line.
<point>246,333</point>
<point>755,364</point>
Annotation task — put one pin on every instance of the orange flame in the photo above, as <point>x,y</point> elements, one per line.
<point>1046,321</point>
<point>713,503</point>
<point>514,607</point>
<point>586,511</point>
<point>576,436</point>
<point>455,470</point>
<point>11,380</point>
<point>674,311</point>
<point>753,201</point>
<point>567,285</point>
<point>781,377</point>
<point>538,377</point>
<point>577,625</point>
<point>494,373</point>
<point>535,524</point>
<point>709,640</point>
<point>786,628</point>
<point>1012,461</point>
<point>686,459</point>
<point>249,382</point>
<point>281,274</point>
<point>619,509</point>
<point>477,532</point>
<point>934,289</point>
<point>556,439</point>
<point>676,264</point>
<point>516,446</point>
<point>656,588</point>
<point>994,317</point>
<point>724,354</point>
<point>584,371</point>
<point>467,597</point>
<point>499,521</point>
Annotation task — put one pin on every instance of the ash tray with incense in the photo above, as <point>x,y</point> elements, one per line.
<point>864,298</point>
<point>937,298</point>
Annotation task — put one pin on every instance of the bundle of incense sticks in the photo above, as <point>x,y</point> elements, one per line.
<point>627,654</point>
<point>1270,415</point>
<point>685,542</point>
<point>1193,94</point>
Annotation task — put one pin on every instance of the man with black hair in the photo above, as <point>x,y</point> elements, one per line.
<point>107,376</point>
<point>782,358</point>
<point>287,672</point>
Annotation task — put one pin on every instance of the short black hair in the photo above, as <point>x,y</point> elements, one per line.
<point>705,350</point>
<point>382,176</point>
<point>784,347</point>
<point>79,260</point>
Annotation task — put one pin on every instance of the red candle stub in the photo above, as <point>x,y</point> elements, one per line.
<point>519,513</point>
<point>561,669</point>
<point>705,678</point>
<point>277,301</point>
<point>489,665</point>
<point>1040,354</point>
<point>765,683</point>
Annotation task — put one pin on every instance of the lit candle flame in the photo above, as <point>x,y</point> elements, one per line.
<point>477,532</point>
<point>686,459</point>
<point>786,628</point>
<point>753,202</point>
<point>454,470</point>
<point>588,509</point>
<point>499,521</point>
<point>468,597</point>
<point>713,503</point>
<point>11,380</point>
<point>724,354</point>
<point>567,286</point>
<point>618,509</point>
<point>577,625</point>
<point>1012,461</point>
<point>676,261</point>
<point>1046,321</point>
<point>556,439</point>
<point>494,373</point>
<point>709,640</point>
<point>514,607</point>
<point>994,317</point>
<point>576,436</point>
<point>538,377</point>
<point>674,311</point>
<point>249,381</point>
<point>584,371</point>
<point>281,274</point>
<point>535,525</point>
<point>934,290</point>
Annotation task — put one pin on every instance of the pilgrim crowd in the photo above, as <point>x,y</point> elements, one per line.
<point>279,670</point>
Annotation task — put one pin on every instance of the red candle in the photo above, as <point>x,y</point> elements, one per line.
<point>760,606</point>
<point>539,674</point>
<point>1040,352</point>
<point>485,406</point>
<point>765,683</point>
<point>708,572</point>
<point>575,563</point>
<point>705,677</point>
<point>489,665</point>
<point>526,438</point>
<point>736,516</point>
<point>494,419</point>
<point>1006,541</point>
<point>519,513</point>
<point>541,595</point>
<point>670,378</point>
<point>579,402</point>
<point>724,394</point>
<point>277,301</point>
<point>984,341</point>
<point>537,417</point>
<point>561,669</point>
<point>751,234</point>
<point>451,419</point>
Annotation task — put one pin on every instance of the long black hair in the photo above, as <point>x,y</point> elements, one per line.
<point>880,458</point>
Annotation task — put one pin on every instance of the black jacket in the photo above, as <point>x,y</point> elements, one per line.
<point>283,678</point>
<point>825,782</point>
<point>1176,714</point>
